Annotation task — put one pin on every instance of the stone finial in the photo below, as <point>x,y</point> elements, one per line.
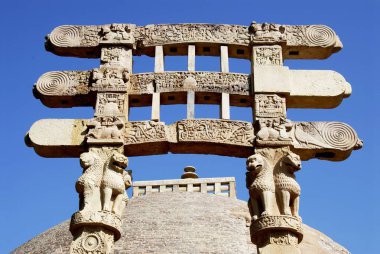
<point>189,172</point>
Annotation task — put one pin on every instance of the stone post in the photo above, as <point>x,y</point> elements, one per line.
<point>274,193</point>
<point>102,186</point>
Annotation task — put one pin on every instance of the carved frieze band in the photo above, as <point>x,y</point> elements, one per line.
<point>219,82</point>
<point>202,130</point>
<point>307,138</point>
<point>218,131</point>
<point>276,223</point>
<point>145,132</point>
<point>105,219</point>
<point>61,83</point>
<point>166,34</point>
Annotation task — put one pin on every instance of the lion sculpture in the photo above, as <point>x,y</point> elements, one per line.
<point>287,189</point>
<point>115,181</point>
<point>260,182</point>
<point>88,184</point>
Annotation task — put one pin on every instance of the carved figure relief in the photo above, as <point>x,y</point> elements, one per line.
<point>166,34</point>
<point>270,105</point>
<point>110,79</point>
<point>146,131</point>
<point>224,131</point>
<point>267,32</point>
<point>287,189</point>
<point>88,184</point>
<point>118,33</point>
<point>105,128</point>
<point>274,131</point>
<point>218,82</point>
<point>268,55</point>
<point>114,183</point>
<point>110,104</point>
<point>141,83</point>
<point>260,182</point>
<point>114,56</point>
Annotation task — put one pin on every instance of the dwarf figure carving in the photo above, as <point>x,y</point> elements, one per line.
<point>115,181</point>
<point>287,188</point>
<point>88,184</point>
<point>260,182</point>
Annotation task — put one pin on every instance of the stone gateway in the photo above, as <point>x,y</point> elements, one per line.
<point>273,144</point>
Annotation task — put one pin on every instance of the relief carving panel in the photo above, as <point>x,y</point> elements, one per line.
<point>267,55</point>
<point>145,132</point>
<point>271,105</point>
<point>105,129</point>
<point>110,104</point>
<point>152,35</point>
<point>218,82</point>
<point>218,131</point>
<point>110,79</point>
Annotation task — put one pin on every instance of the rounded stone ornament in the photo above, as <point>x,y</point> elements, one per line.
<point>53,83</point>
<point>320,35</point>
<point>339,135</point>
<point>66,36</point>
<point>92,242</point>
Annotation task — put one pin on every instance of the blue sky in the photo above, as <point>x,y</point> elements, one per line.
<point>339,199</point>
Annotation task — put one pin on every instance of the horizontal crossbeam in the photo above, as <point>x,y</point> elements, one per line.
<point>67,137</point>
<point>302,88</point>
<point>299,42</point>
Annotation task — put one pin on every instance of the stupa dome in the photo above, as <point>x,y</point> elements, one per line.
<point>181,222</point>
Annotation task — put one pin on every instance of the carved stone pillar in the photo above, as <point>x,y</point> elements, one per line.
<point>102,186</point>
<point>274,200</point>
<point>102,199</point>
<point>274,193</point>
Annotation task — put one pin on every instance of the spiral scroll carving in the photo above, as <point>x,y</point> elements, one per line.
<point>320,35</point>
<point>66,36</point>
<point>53,83</point>
<point>339,135</point>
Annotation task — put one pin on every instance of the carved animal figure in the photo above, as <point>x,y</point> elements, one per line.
<point>266,131</point>
<point>260,182</point>
<point>115,181</point>
<point>88,184</point>
<point>109,131</point>
<point>287,188</point>
<point>120,206</point>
